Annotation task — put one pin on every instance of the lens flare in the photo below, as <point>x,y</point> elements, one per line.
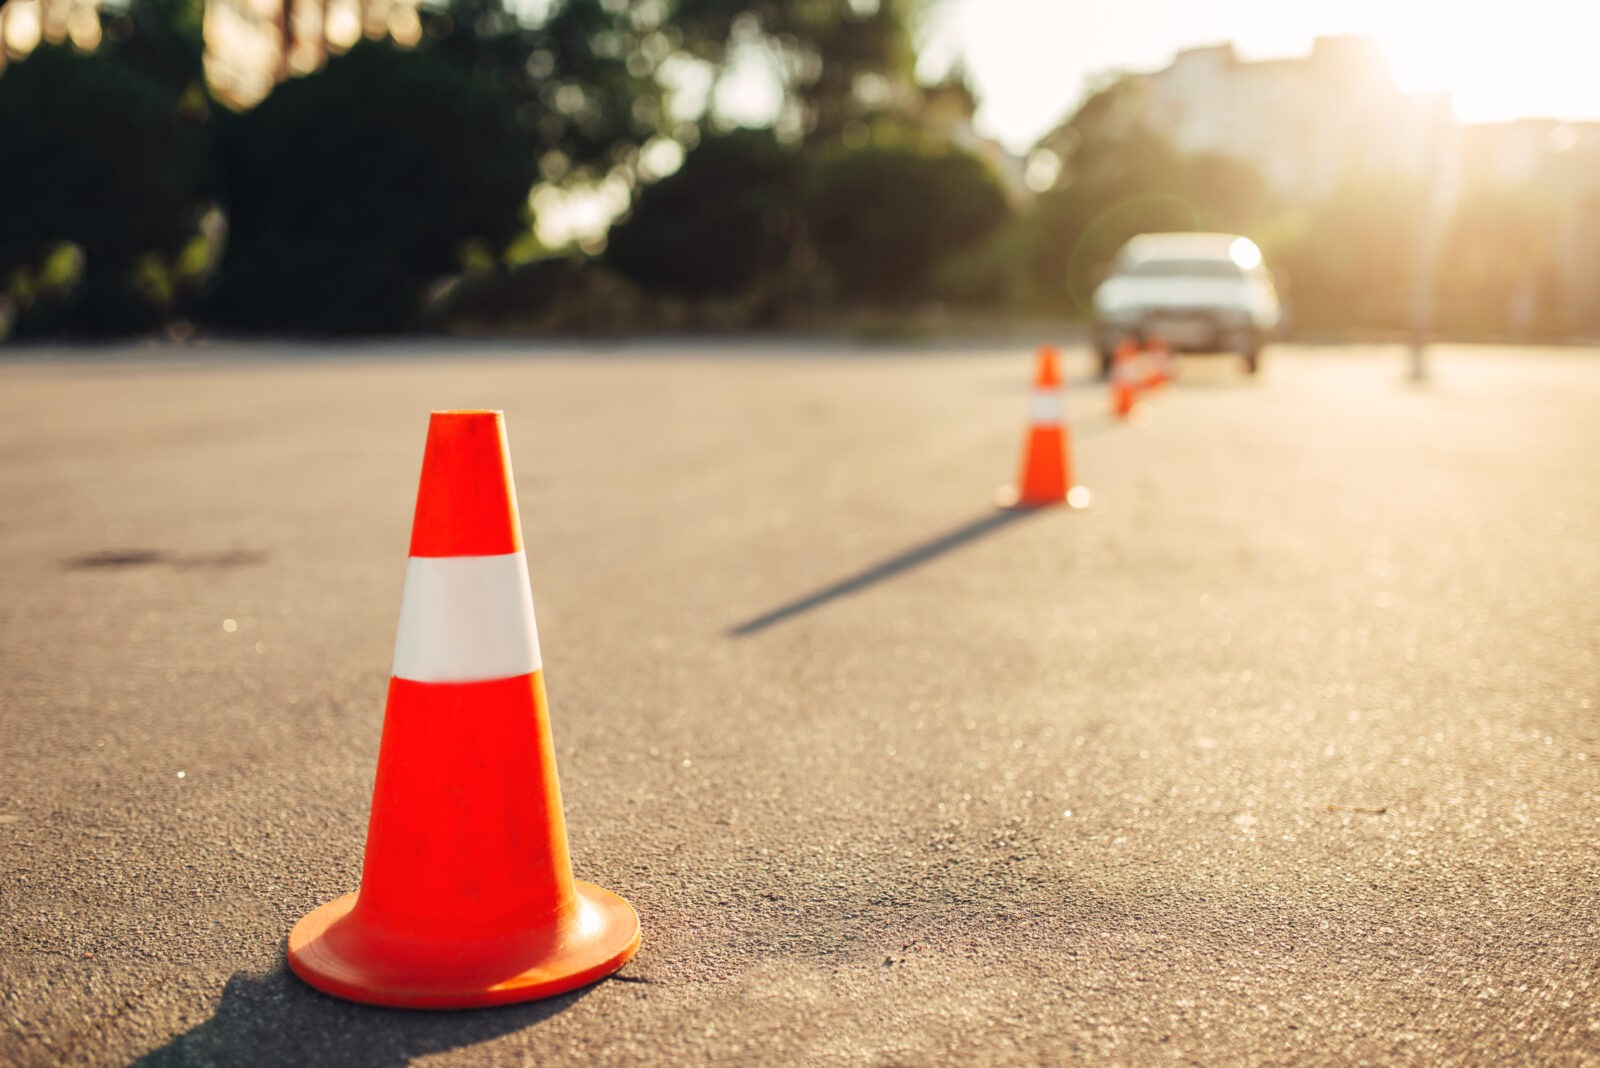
<point>1244,252</point>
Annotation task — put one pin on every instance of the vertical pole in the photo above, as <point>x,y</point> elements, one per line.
<point>1424,279</point>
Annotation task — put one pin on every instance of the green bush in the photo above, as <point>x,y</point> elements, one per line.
<point>721,224</point>
<point>101,172</point>
<point>885,218</point>
<point>353,189</point>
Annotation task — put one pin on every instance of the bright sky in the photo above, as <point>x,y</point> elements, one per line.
<point>1029,59</point>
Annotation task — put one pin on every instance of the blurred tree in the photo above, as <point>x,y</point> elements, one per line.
<point>1500,270</point>
<point>163,39</point>
<point>1115,178</point>
<point>1227,194</point>
<point>582,75</point>
<point>566,294</point>
<point>836,60</point>
<point>722,224</point>
<point>1106,143</point>
<point>1352,259</point>
<point>886,216</point>
<point>594,80</point>
<point>99,171</point>
<point>351,189</point>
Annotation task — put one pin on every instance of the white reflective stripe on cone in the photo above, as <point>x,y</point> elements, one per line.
<point>1047,407</point>
<point>466,619</point>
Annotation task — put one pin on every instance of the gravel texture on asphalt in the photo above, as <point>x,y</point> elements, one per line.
<point>1285,751</point>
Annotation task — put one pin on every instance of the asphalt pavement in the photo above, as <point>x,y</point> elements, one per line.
<point>1285,751</point>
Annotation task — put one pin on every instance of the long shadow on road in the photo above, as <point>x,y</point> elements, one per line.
<point>970,531</point>
<point>274,1019</point>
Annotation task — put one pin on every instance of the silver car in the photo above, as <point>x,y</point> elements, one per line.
<point>1197,292</point>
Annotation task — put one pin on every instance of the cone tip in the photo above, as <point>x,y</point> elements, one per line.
<point>1047,373</point>
<point>466,505</point>
<point>458,416</point>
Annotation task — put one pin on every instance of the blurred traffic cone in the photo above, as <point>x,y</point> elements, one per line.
<point>1124,378</point>
<point>467,896</point>
<point>1047,454</point>
<point>1158,364</point>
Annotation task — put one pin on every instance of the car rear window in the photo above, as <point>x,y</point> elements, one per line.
<point>1184,269</point>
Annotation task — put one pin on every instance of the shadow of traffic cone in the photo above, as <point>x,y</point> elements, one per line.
<point>467,896</point>
<point>1046,477</point>
<point>1124,379</point>
<point>1158,364</point>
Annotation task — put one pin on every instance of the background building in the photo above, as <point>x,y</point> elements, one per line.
<point>1314,124</point>
<point>1306,124</point>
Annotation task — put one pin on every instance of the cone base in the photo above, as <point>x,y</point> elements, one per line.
<point>333,952</point>
<point>1010,498</point>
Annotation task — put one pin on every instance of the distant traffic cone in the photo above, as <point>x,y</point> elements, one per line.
<point>1046,477</point>
<point>467,896</point>
<point>1158,363</point>
<point>1124,379</point>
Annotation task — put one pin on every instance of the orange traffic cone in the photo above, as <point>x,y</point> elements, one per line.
<point>1047,454</point>
<point>1158,364</point>
<point>467,896</point>
<point>1124,379</point>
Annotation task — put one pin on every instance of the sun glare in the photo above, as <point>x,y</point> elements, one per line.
<point>1031,59</point>
<point>1497,63</point>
